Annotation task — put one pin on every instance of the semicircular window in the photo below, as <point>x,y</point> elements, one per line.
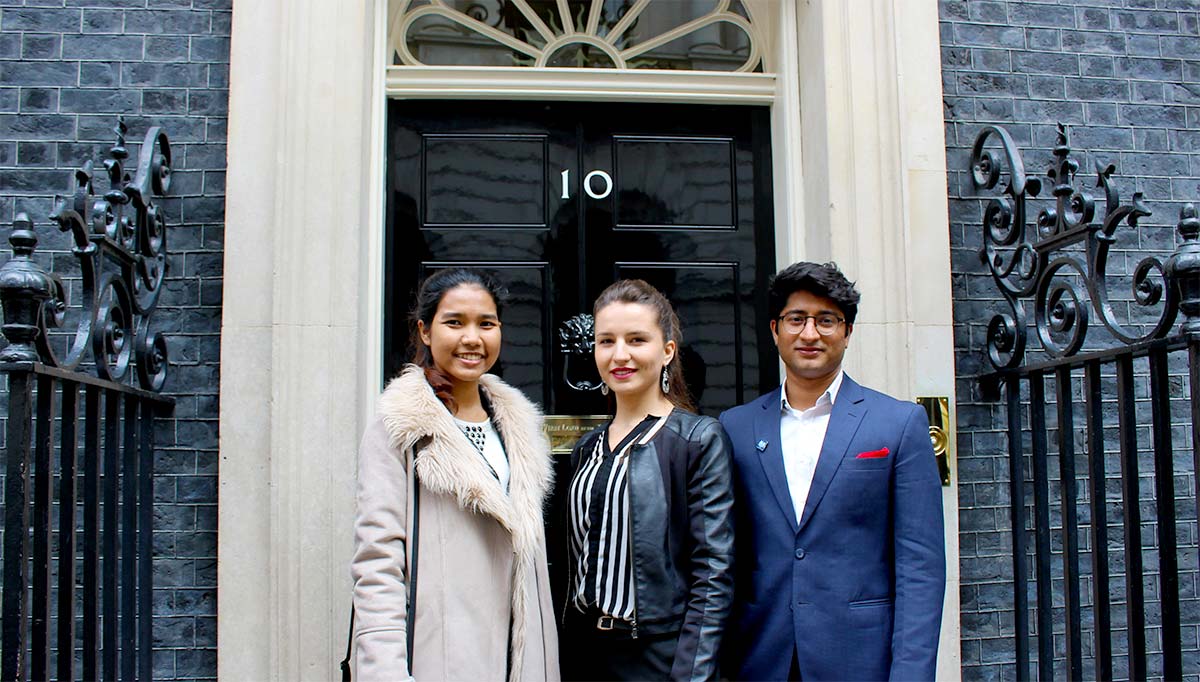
<point>691,35</point>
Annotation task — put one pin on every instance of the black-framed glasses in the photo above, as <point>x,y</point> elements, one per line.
<point>826,323</point>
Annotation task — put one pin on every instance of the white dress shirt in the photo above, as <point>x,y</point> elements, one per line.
<point>801,434</point>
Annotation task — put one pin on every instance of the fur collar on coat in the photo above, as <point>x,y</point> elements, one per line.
<point>448,464</point>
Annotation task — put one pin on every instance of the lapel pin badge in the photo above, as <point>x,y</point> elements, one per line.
<point>761,445</point>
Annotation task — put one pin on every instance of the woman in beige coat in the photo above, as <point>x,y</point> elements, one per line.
<point>483,606</point>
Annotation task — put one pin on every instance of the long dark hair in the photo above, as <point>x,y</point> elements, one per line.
<point>429,297</point>
<point>640,291</point>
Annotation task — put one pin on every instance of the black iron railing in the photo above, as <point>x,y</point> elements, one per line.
<point>1058,264</point>
<point>87,480</point>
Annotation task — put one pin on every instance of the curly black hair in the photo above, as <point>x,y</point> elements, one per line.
<point>822,279</point>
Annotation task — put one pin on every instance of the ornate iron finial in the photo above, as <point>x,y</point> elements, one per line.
<point>119,238</point>
<point>24,289</point>
<point>118,151</point>
<point>1068,288</point>
<point>1183,268</point>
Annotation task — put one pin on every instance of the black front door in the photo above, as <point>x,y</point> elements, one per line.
<point>561,199</point>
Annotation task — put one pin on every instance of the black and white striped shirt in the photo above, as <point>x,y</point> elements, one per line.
<point>600,525</point>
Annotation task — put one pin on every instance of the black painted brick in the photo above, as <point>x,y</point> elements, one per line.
<point>164,101</point>
<point>1144,46</point>
<point>39,46</point>
<point>988,35</point>
<point>1180,46</point>
<point>1183,93</point>
<point>1046,87</point>
<point>1094,42</point>
<point>116,101</point>
<point>123,4</point>
<point>1151,115</point>
<point>1104,89</point>
<point>991,60</point>
<point>10,46</point>
<point>208,103</point>
<point>1153,92</point>
<point>1045,62</point>
<point>1093,18</point>
<point>39,73</point>
<point>36,154</point>
<point>218,76</point>
<point>34,100</point>
<point>69,71</point>
<point>1147,20</point>
<point>98,74</point>
<point>988,12</point>
<point>103,47</point>
<point>168,22</point>
<point>1148,69</point>
<point>164,75</point>
<point>1039,14</point>
<point>44,20</point>
<point>167,48</point>
<point>103,21</point>
<point>1101,113</point>
<point>1043,39</point>
<point>990,84</point>
<point>1096,67</point>
<point>210,49</point>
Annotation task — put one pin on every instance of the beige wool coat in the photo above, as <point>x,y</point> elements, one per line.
<point>481,553</point>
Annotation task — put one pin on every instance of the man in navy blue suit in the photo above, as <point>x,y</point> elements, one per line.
<point>840,567</point>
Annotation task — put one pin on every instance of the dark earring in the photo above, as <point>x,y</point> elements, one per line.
<point>666,381</point>
<point>603,389</point>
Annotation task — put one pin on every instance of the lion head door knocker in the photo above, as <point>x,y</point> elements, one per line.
<point>576,337</point>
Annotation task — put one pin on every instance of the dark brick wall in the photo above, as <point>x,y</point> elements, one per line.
<point>1124,76</point>
<point>67,69</point>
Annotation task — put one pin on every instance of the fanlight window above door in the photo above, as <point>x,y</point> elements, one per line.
<point>694,35</point>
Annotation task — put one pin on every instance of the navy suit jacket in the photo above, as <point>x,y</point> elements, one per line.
<point>855,588</point>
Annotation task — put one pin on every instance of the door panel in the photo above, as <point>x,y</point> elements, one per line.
<point>560,199</point>
<point>485,181</point>
<point>666,183</point>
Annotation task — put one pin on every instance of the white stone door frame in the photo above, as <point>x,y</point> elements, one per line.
<point>301,353</point>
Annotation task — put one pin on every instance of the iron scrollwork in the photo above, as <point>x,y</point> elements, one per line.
<point>1030,259</point>
<point>119,237</point>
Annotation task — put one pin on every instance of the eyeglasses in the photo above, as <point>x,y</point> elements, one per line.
<point>826,324</point>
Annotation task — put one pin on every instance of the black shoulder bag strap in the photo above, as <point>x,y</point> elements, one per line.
<point>413,544</point>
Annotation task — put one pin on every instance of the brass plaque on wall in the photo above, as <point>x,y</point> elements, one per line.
<point>565,429</point>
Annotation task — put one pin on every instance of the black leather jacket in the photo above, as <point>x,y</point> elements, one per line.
<point>681,502</point>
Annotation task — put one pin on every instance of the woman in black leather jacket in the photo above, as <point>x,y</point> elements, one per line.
<point>649,510</point>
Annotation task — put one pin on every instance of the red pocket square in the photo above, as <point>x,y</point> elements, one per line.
<point>873,454</point>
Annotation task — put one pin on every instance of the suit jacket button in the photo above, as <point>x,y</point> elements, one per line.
<point>799,553</point>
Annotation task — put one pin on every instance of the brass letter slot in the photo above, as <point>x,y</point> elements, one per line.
<point>938,410</point>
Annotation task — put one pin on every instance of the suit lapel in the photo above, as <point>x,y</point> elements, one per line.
<point>766,430</point>
<point>848,411</point>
